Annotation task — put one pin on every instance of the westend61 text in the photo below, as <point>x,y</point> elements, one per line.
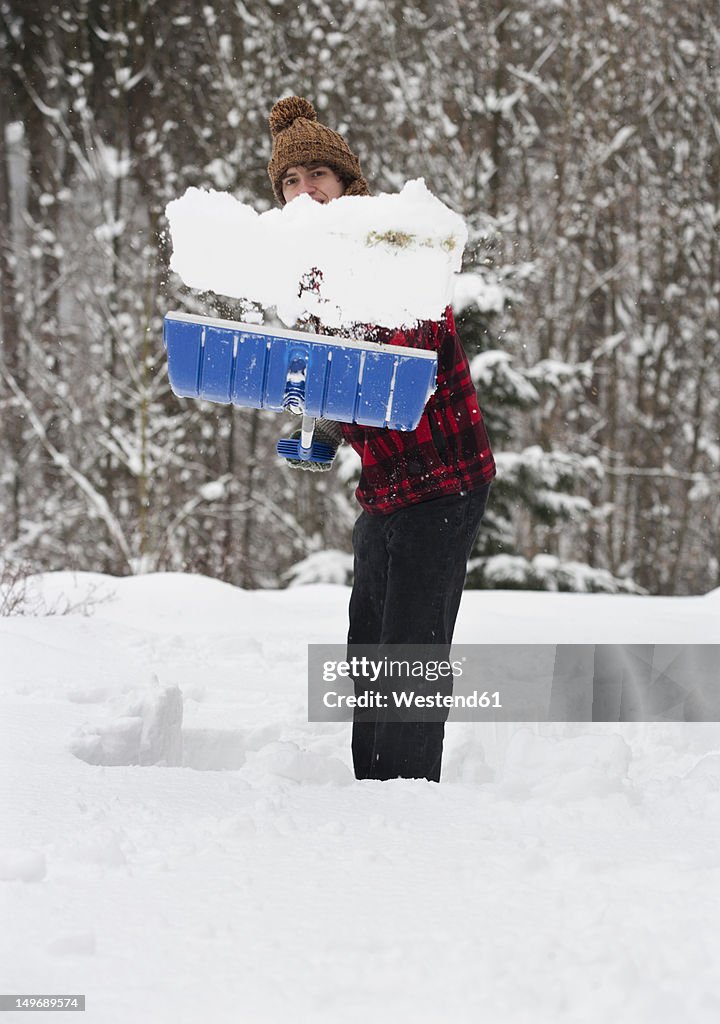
<point>410,699</point>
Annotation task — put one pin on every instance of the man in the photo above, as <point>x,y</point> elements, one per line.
<point>423,492</point>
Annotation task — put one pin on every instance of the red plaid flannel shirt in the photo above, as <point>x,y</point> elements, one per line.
<point>449,451</point>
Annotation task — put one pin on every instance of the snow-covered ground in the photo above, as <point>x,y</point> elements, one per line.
<point>179,844</point>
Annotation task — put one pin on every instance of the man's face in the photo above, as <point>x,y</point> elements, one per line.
<point>317,180</point>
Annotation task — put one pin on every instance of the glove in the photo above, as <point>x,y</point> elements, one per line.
<point>314,467</point>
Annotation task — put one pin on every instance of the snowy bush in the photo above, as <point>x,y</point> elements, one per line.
<point>322,567</point>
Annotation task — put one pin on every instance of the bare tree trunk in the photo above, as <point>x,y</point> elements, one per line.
<point>247,559</point>
<point>9,330</point>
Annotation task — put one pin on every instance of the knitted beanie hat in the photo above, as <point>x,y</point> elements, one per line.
<point>299,138</point>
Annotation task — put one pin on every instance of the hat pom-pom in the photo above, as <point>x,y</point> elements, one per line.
<point>288,110</point>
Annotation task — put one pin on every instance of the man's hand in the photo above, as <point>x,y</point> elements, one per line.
<point>307,464</point>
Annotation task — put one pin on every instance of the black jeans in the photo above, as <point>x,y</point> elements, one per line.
<point>410,570</point>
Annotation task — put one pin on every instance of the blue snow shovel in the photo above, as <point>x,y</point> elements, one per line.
<point>314,375</point>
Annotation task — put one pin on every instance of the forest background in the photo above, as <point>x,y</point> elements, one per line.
<point>580,141</point>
